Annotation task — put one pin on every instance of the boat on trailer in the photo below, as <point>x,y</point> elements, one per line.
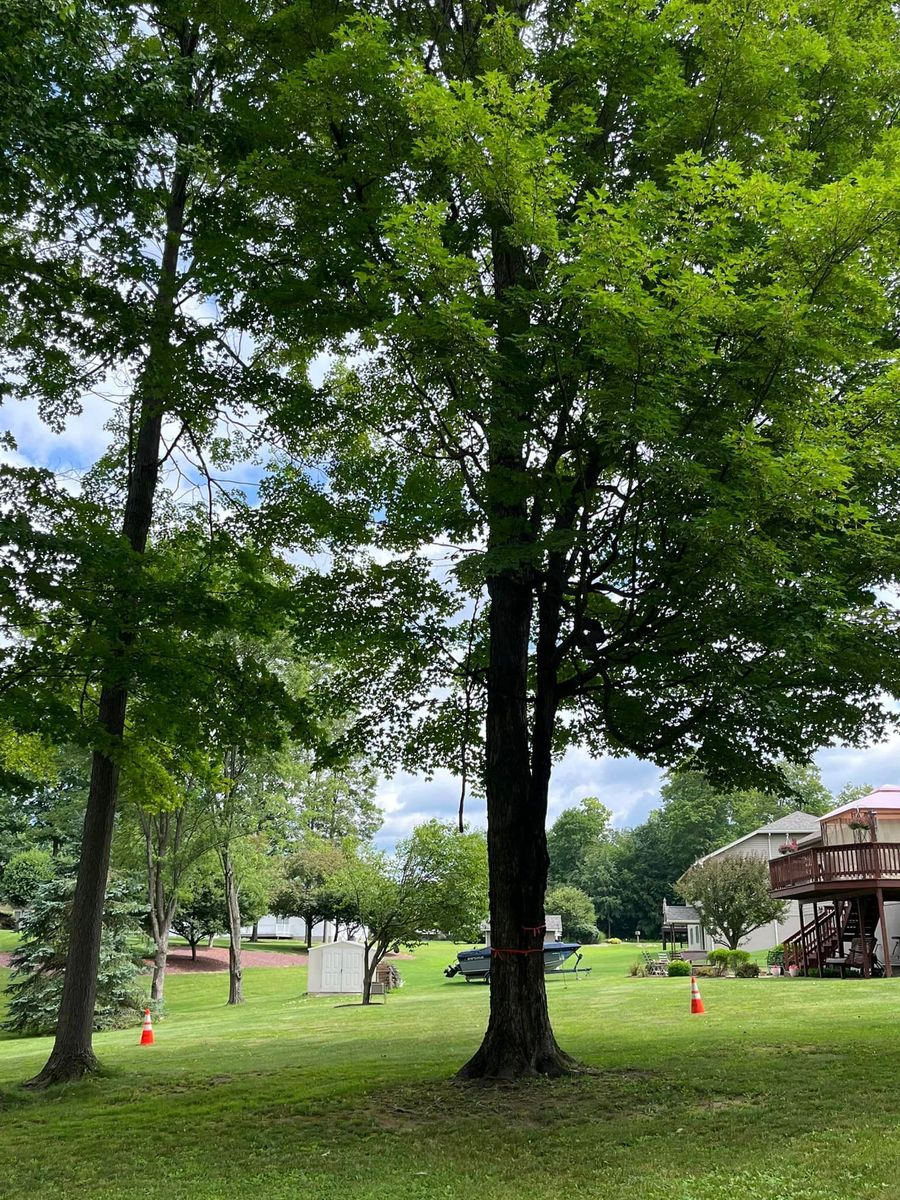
<point>476,964</point>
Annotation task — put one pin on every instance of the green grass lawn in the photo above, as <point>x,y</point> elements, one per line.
<point>785,1090</point>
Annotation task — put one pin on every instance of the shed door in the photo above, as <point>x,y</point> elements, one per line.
<point>340,970</point>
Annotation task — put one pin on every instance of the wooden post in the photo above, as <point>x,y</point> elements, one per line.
<point>867,966</point>
<point>819,955</point>
<point>886,945</point>
<point>802,935</point>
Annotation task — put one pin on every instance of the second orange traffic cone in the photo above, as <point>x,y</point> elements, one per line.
<point>696,998</point>
<point>147,1031</point>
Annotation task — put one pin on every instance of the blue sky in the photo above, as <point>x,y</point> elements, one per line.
<point>628,786</point>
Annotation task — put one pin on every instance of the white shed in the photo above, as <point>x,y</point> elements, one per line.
<point>336,968</point>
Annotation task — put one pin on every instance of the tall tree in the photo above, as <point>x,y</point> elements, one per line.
<point>122,217</point>
<point>308,888</point>
<point>636,365</point>
<point>574,834</point>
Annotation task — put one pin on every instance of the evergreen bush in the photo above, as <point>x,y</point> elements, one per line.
<point>38,962</point>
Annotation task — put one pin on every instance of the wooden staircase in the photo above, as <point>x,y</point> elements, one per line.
<point>819,940</point>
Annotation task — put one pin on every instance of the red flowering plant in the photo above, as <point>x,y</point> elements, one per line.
<point>859,820</point>
<point>788,847</point>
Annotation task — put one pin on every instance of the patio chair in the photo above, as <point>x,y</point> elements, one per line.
<point>854,959</point>
<point>655,966</point>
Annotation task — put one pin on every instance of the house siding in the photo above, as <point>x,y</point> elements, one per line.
<point>764,846</point>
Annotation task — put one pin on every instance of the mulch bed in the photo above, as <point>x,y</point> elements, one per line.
<point>215,958</point>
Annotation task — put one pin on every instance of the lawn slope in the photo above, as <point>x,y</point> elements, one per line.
<point>785,1090</point>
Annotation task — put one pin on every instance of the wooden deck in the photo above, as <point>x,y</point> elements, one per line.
<point>836,870</point>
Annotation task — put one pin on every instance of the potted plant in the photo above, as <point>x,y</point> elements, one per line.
<point>861,824</point>
<point>788,847</point>
<point>793,963</point>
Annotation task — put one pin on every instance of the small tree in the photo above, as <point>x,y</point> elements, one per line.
<point>310,888</point>
<point>39,962</point>
<point>732,895</point>
<point>579,920</point>
<point>24,875</point>
<point>201,911</point>
<point>437,879</point>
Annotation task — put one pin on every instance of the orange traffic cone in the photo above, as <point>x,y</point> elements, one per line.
<point>696,998</point>
<point>147,1031</point>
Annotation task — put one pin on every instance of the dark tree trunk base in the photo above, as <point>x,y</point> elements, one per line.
<point>498,1060</point>
<point>65,1068</point>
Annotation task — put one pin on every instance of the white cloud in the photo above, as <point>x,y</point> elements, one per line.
<point>628,786</point>
<point>82,441</point>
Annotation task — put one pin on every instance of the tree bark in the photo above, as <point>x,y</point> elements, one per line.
<point>162,840</point>
<point>232,900</point>
<point>519,1040</point>
<point>372,960</point>
<point>160,959</point>
<point>254,933</point>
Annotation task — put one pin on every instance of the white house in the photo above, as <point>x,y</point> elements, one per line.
<point>682,923</point>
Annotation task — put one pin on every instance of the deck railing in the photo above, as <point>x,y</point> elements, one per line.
<point>836,864</point>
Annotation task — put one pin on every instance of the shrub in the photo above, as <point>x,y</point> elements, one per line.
<point>24,875</point>
<point>679,967</point>
<point>637,968</point>
<point>575,907</point>
<point>615,941</point>
<point>727,960</point>
<point>705,972</point>
<point>747,970</point>
<point>601,936</point>
<point>737,957</point>
<point>718,959</point>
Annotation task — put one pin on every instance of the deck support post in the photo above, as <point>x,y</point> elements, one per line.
<point>819,956</point>
<point>802,934</point>
<point>867,964</point>
<point>886,945</point>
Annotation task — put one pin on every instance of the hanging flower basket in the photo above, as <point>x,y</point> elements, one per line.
<point>788,847</point>
<point>861,824</point>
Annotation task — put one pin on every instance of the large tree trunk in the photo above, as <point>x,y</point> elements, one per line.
<point>519,1039</point>
<point>232,900</point>
<point>73,1054</point>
